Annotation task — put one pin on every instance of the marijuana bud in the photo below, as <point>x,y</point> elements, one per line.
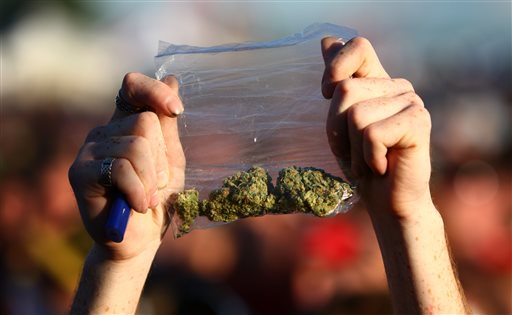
<point>245,194</point>
<point>309,190</point>
<point>251,194</point>
<point>186,206</point>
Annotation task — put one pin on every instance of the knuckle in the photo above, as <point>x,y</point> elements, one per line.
<point>344,87</point>
<point>120,166</point>
<point>138,145</point>
<point>130,80</point>
<point>370,134</point>
<point>356,115</point>
<point>96,134</point>
<point>406,83</point>
<point>416,99</point>
<point>423,115</point>
<point>360,41</point>
<point>422,111</point>
<point>88,150</point>
<point>427,120</point>
<point>146,121</point>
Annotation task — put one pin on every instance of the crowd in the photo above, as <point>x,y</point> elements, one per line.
<point>269,265</point>
<point>288,264</point>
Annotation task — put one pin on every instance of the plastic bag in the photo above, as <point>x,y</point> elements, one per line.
<point>252,104</point>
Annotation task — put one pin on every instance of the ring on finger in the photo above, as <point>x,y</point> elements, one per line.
<point>106,172</point>
<point>123,105</point>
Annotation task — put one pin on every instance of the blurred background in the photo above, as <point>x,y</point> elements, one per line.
<point>61,66</point>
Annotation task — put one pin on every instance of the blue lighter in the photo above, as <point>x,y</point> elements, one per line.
<point>117,219</point>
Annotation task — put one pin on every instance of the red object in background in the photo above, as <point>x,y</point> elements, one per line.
<point>496,255</point>
<point>333,242</point>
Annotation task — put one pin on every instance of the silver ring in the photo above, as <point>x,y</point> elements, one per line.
<point>124,106</point>
<point>106,172</point>
<point>340,40</point>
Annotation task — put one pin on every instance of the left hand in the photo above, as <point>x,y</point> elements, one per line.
<point>148,167</point>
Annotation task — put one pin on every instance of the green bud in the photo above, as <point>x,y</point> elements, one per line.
<point>251,194</point>
<point>245,194</point>
<point>309,190</point>
<point>186,207</point>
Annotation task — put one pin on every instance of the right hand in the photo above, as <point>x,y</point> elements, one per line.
<point>148,167</point>
<point>377,125</point>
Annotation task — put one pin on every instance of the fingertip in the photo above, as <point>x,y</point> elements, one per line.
<point>326,42</point>
<point>375,157</point>
<point>174,103</point>
<point>139,204</point>
<point>379,167</point>
<point>136,199</point>
<point>331,45</point>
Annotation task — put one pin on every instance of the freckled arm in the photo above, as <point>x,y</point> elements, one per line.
<point>421,276</point>
<point>111,287</point>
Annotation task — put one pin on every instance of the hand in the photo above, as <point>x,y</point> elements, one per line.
<point>148,167</point>
<point>377,126</point>
<point>380,128</point>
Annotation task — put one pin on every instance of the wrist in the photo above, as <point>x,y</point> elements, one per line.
<point>109,285</point>
<point>121,259</point>
<point>424,213</point>
<point>402,213</point>
<point>417,260</point>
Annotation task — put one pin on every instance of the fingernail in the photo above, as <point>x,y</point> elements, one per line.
<point>162,178</point>
<point>176,107</point>
<point>155,200</point>
<point>178,112</point>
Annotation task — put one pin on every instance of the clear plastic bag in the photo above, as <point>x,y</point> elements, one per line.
<point>252,104</point>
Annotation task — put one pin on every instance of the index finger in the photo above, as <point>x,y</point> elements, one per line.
<point>141,91</point>
<point>356,58</point>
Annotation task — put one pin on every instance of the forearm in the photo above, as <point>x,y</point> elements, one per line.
<point>421,276</point>
<point>111,287</point>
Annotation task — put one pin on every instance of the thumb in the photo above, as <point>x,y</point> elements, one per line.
<point>356,58</point>
<point>330,48</point>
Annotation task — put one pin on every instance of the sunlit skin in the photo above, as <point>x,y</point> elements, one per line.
<point>149,168</point>
<point>377,124</point>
